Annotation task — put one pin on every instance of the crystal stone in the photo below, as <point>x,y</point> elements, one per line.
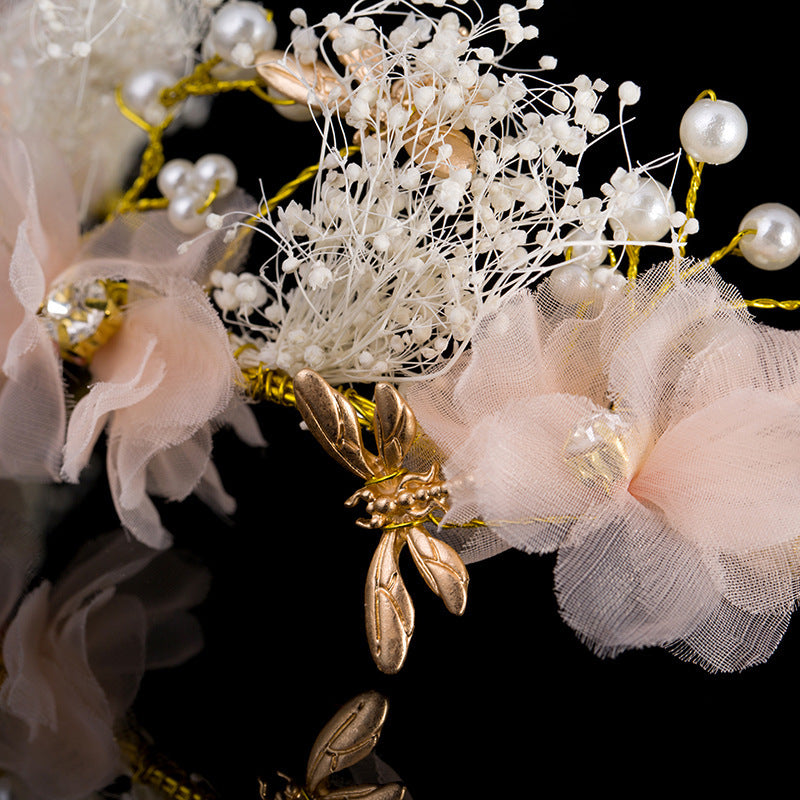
<point>598,451</point>
<point>81,317</point>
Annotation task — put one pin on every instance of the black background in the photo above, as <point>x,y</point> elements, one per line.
<point>505,700</point>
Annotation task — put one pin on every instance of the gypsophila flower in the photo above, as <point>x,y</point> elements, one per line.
<point>467,185</point>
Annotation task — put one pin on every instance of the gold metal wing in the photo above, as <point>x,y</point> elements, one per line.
<point>395,426</point>
<point>350,735</point>
<point>389,611</point>
<point>441,567</point>
<point>333,421</point>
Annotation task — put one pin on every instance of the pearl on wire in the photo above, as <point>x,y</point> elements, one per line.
<point>188,186</point>
<point>174,176</point>
<point>183,213</point>
<point>141,93</point>
<point>586,247</point>
<point>239,30</point>
<point>647,213</point>
<point>713,131</point>
<point>572,284</point>
<point>776,242</point>
<point>214,170</point>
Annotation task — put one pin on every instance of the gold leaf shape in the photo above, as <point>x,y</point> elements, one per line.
<point>395,426</point>
<point>292,80</point>
<point>389,611</point>
<point>333,421</point>
<point>349,736</point>
<point>441,567</point>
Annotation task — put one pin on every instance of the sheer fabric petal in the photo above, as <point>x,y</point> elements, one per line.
<point>38,238</point>
<point>678,525</point>
<point>75,654</point>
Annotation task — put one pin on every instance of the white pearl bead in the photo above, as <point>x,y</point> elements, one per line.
<point>647,212</point>
<point>776,243</point>
<point>608,279</point>
<point>141,92</point>
<point>585,246</point>
<point>713,131</point>
<point>571,284</point>
<point>241,23</point>
<point>210,169</point>
<point>182,212</point>
<point>173,176</point>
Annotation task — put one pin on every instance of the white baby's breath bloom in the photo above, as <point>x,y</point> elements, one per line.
<point>401,249</point>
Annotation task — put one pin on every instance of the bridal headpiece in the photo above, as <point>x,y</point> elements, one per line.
<point>490,347</point>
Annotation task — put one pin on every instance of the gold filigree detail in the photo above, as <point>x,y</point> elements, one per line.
<point>398,502</point>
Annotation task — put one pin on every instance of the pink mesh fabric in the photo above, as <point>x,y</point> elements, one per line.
<point>163,383</point>
<point>38,238</point>
<point>654,443</point>
<point>75,653</point>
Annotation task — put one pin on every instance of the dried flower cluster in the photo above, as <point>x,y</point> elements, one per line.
<point>466,188</point>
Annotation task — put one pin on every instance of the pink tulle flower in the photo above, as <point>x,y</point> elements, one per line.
<point>655,446</point>
<point>75,652</point>
<point>162,384</point>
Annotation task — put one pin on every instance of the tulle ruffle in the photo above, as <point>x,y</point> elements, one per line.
<point>162,385</point>
<point>653,444</point>
<point>75,653</point>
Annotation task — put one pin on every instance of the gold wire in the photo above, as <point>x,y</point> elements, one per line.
<point>633,251</point>
<point>691,197</point>
<point>152,158</point>
<point>288,189</point>
<point>277,386</point>
<point>766,302</point>
<point>150,768</point>
<point>212,196</point>
<point>199,82</point>
<point>382,478</point>
<point>731,247</point>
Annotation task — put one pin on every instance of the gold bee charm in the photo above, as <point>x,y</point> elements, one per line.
<point>349,737</point>
<point>398,502</point>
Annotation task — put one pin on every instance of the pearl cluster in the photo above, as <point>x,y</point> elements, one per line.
<point>188,186</point>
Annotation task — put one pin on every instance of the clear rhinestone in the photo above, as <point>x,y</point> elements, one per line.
<point>73,313</point>
<point>81,317</point>
<point>597,449</point>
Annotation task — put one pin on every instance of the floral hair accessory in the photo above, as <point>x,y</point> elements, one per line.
<point>161,385</point>
<point>652,444</point>
<point>456,268</point>
<point>74,653</point>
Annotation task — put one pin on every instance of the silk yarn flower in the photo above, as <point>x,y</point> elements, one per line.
<point>163,383</point>
<point>653,444</point>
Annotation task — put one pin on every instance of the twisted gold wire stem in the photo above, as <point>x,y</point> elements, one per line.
<point>691,197</point>
<point>276,386</point>
<point>200,83</point>
<point>634,252</point>
<point>732,247</point>
<point>766,302</point>
<point>152,769</point>
<point>152,158</point>
<point>288,189</point>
